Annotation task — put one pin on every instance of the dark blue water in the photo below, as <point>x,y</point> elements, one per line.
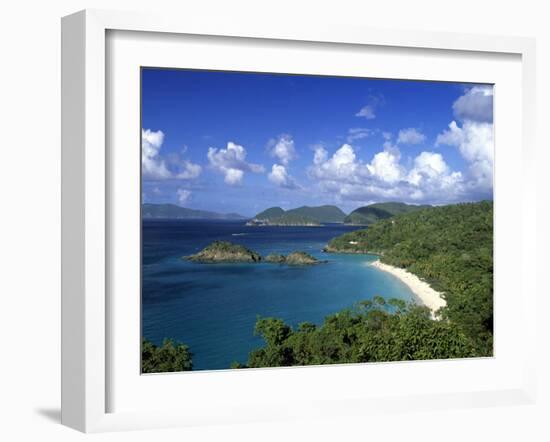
<point>213,307</point>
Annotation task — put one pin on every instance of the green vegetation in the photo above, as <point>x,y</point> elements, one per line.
<point>275,258</point>
<point>272,212</point>
<point>224,251</point>
<point>170,356</point>
<point>373,331</point>
<point>227,252</point>
<point>321,214</point>
<point>171,211</point>
<point>301,258</point>
<point>305,215</point>
<point>450,247</point>
<point>372,213</point>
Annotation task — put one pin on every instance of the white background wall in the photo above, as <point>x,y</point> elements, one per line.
<point>30,215</point>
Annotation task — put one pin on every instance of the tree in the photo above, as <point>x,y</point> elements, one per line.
<point>372,331</point>
<point>171,356</point>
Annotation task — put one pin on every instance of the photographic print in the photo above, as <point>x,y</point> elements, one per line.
<point>298,220</point>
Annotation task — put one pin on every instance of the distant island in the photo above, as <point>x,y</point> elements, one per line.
<point>367,215</point>
<point>301,216</point>
<point>172,211</point>
<point>305,216</point>
<point>227,252</point>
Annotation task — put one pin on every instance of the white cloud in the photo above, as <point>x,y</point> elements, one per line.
<point>320,155</point>
<point>189,170</point>
<point>431,175</point>
<point>183,195</point>
<point>232,163</point>
<point>279,176</point>
<point>342,166</point>
<point>431,164</point>
<point>155,167</point>
<point>384,177</point>
<point>152,165</point>
<point>476,144</point>
<point>357,133</point>
<point>475,105</point>
<point>410,136</point>
<point>233,176</point>
<point>385,166</point>
<point>282,148</point>
<point>366,112</point>
<point>426,178</point>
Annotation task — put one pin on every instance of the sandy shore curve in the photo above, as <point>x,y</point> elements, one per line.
<point>423,291</point>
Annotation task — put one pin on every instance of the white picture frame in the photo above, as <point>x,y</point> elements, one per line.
<point>86,213</point>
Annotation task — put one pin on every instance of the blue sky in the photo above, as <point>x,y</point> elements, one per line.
<point>242,142</point>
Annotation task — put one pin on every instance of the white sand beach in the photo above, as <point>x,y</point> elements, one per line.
<point>427,295</point>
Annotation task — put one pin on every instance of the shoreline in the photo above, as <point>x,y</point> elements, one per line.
<point>421,289</point>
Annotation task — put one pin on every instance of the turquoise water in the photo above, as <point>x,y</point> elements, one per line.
<point>213,307</point>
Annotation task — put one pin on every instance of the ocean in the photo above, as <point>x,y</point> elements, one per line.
<point>213,308</point>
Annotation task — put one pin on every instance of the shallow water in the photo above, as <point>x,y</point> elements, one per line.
<point>213,307</point>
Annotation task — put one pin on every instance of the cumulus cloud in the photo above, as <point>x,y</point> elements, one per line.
<point>279,176</point>
<point>152,165</point>
<point>476,145</point>
<point>410,136</point>
<point>342,166</point>
<point>366,112</point>
<point>231,162</point>
<point>357,133</point>
<point>183,195</point>
<point>189,170</point>
<point>320,154</point>
<point>476,104</point>
<point>155,167</point>
<point>385,166</point>
<point>427,178</point>
<point>282,148</point>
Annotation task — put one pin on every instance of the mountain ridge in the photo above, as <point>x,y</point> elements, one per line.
<point>173,211</point>
<point>304,215</point>
<point>367,215</point>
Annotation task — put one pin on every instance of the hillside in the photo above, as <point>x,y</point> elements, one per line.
<point>172,211</point>
<point>304,215</point>
<point>372,213</point>
<point>451,247</point>
<point>322,214</point>
<point>272,212</point>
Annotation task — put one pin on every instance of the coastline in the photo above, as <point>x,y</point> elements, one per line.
<point>422,290</point>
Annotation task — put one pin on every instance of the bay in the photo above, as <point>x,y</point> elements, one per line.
<point>213,308</point>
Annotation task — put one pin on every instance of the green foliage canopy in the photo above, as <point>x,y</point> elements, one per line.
<point>171,356</point>
<point>450,247</point>
<point>373,331</point>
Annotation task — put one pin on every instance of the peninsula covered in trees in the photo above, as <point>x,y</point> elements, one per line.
<point>450,247</point>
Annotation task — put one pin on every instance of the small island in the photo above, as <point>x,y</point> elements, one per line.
<point>293,259</point>
<point>227,252</point>
<point>224,251</point>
